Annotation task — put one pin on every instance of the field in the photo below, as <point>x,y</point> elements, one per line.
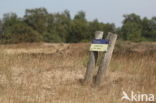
<point>50,73</point>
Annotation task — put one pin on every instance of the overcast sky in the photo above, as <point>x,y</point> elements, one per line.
<point>104,10</point>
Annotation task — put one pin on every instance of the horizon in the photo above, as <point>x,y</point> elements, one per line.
<point>94,9</point>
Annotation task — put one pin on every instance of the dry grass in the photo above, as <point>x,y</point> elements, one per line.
<point>50,73</point>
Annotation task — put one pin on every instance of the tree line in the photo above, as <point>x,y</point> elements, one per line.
<point>38,25</point>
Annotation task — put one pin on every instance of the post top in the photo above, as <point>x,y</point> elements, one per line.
<point>98,34</point>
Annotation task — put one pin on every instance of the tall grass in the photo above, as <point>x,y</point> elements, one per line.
<point>54,78</point>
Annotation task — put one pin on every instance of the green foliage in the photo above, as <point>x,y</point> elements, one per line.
<point>37,19</point>
<point>136,29</point>
<point>39,25</point>
<point>132,18</point>
<point>20,32</point>
<point>1,27</point>
<point>131,31</point>
<point>80,16</point>
<point>79,29</point>
<point>149,30</point>
<point>24,33</point>
<point>16,31</point>
<point>58,27</point>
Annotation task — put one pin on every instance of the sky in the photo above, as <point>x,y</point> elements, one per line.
<point>107,11</point>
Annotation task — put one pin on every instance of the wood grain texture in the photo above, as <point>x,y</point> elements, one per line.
<point>92,61</point>
<point>106,59</point>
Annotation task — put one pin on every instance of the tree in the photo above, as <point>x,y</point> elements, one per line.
<point>79,28</point>
<point>21,32</point>
<point>15,30</point>
<point>66,13</point>
<point>132,18</point>
<point>146,28</point>
<point>109,28</point>
<point>96,25</point>
<point>39,25</point>
<point>1,31</point>
<point>132,27</point>
<point>9,19</point>
<point>153,28</point>
<point>149,28</point>
<point>58,27</point>
<point>131,31</point>
<point>37,19</point>
<point>1,27</point>
<point>80,16</point>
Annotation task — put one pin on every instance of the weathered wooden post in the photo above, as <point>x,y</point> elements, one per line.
<point>106,60</point>
<point>92,61</point>
<point>99,45</point>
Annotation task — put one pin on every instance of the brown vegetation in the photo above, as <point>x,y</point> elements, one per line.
<point>50,73</point>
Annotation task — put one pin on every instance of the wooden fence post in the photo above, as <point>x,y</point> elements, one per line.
<point>106,59</point>
<point>92,61</point>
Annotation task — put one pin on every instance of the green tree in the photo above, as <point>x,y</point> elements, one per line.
<point>99,26</point>
<point>21,32</point>
<point>39,25</point>
<point>146,28</point>
<point>1,27</point>
<point>153,28</point>
<point>58,27</point>
<point>94,26</point>
<point>131,31</point>
<point>132,27</point>
<point>37,19</point>
<point>79,28</point>
<point>80,16</point>
<point>16,31</point>
<point>9,19</point>
<point>109,28</point>
<point>149,28</point>
<point>132,18</point>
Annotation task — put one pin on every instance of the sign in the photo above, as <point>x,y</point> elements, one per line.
<point>99,45</point>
